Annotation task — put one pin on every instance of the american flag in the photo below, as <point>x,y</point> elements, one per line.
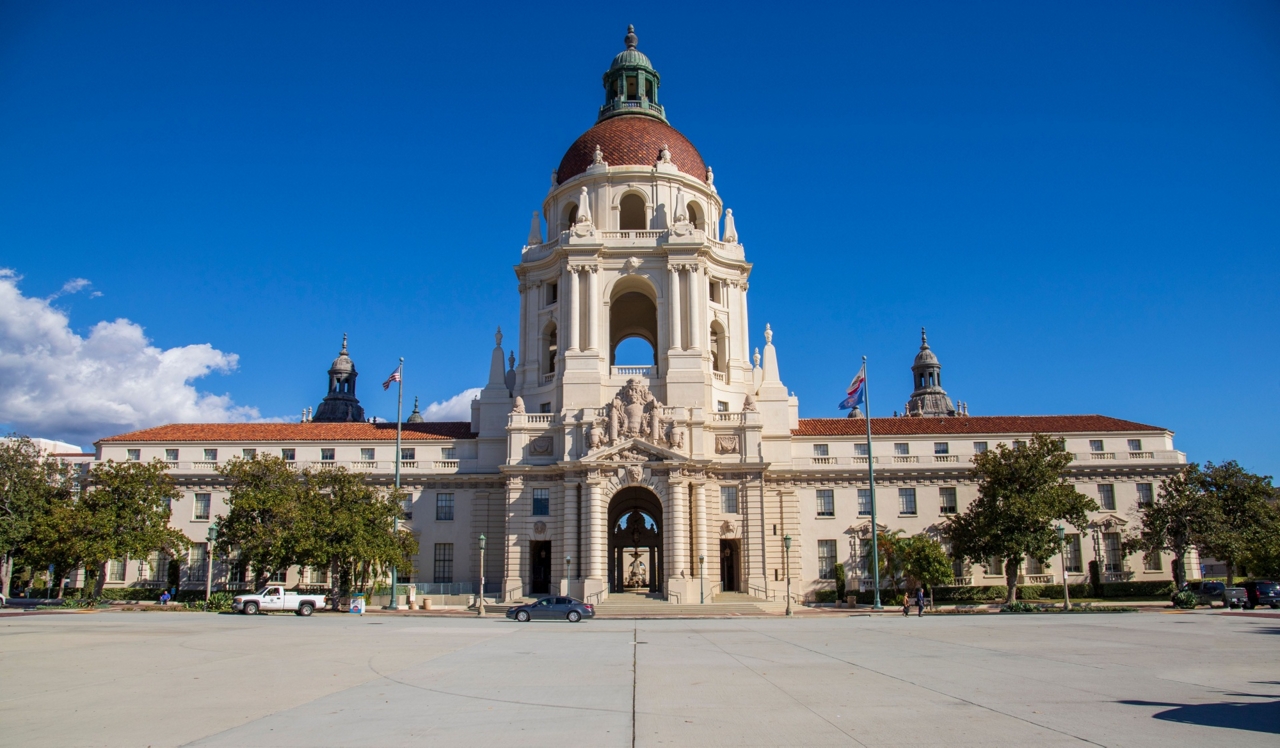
<point>395,377</point>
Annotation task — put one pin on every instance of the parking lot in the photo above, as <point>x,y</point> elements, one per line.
<point>152,678</point>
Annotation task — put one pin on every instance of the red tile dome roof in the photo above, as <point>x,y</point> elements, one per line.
<point>633,140</point>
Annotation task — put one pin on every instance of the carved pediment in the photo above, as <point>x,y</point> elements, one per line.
<point>633,450</point>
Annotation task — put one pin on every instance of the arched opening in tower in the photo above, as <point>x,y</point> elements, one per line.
<point>631,213</point>
<point>633,317</point>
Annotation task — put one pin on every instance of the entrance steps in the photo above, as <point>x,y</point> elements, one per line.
<point>632,605</point>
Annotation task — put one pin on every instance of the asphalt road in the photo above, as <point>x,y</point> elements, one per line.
<point>159,679</point>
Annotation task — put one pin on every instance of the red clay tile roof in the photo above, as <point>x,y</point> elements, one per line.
<point>634,140</point>
<point>967,425</point>
<point>296,432</point>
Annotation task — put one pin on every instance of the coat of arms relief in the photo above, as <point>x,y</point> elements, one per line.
<point>634,413</point>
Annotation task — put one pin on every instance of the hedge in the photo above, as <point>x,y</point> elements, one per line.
<point>1137,589</point>
<point>998,592</point>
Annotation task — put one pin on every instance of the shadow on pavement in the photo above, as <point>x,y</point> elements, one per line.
<point>1254,716</point>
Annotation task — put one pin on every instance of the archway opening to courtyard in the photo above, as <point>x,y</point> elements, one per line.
<point>633,313</point>
<point>635,541</point>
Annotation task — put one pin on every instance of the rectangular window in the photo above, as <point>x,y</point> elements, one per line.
<point>444,506</point>
<point>326,454</point>
<point>1114,555</point>
<point>1095,445</point>
<point>1107,497</point>
<point>544,408</point>
<point>202,505</point>
<point>1074,563</point>
<point>248,453</point>
<point>860,449</point>
<point>134,455</point>
<point>367,454</point>
<point>451,453</point>
<point>864,502</point>
<point>211,455</point>
<point>729,499</point>
<point>1151,561</point>
<point>819,450</point>
<point>197,560</point>
<point>541,502</point>
<point>318,576</point>
<point>553,293</point>
<point>408,453</point>
<point>443,572</point>
<point>826,502</point>
<point>979,447</point>
<point>947,500</point>
<point>907,500</point>
<point>279,576</point>
<point>994,566</point>
<point>1135,445</point>
<point>826,559</point>
<point>289,454</point>
<point>722,406</point>
<point>901,448</point>
<point>171,455</point>
<point>1145,495</point>
<point>942,448</point>
<point>1019,444</point>
<point>115,570</point>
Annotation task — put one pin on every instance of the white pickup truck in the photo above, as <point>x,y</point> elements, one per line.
<point>273,598</point>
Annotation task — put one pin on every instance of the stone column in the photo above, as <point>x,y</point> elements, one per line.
<point>516,548</point>
<point>570,548</point>
<point>699,526</point>
<point>744,335</point>
<point>593,309</point>
<point>595,545</point>
<point>679,529</point>
<point>575,311</point>
<point>696,310</point>
<point>674,295</point>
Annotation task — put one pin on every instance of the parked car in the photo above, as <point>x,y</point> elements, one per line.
<point>552,608</point>
<point>1261,592</point>
<point>275,598</point>
<point>1207,593</point>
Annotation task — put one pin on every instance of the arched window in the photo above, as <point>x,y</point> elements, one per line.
<point>695,215</point>
<point>570,216</point>
<point>633,313</point>
<point>550,348</point>
<point>719,347</point>
<point>631,213</point>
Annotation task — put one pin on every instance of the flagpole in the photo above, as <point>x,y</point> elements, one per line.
<point>871,476</point>
<point>395,521</point>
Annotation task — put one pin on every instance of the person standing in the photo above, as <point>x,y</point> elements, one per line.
<point>906,603</point>
<point>919,601</point>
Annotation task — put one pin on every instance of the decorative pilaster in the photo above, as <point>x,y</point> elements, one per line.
<point>699,526</point>
<point>575,310</point>
<point>674,304</point>
<point>679,563</point>
<point>593,308</point>
<point>696,310</point>
<point>597,545</point>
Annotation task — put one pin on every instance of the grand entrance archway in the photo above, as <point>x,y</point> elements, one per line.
<point>635,541</point>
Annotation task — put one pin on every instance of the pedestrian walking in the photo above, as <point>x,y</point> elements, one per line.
<point>906,603</point>
<point>919,602</point>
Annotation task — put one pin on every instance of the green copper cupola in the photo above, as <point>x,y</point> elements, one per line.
<point>631,84</point>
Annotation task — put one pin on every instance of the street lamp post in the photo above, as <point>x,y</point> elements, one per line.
<point>1062,550</point>
<point>702,567</point>
<point>208,555</point>
<point>480,598</point>
<point>786,566</point>
<point>568,577</point>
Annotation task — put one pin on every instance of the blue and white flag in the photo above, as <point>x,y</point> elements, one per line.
<point>857,392</point>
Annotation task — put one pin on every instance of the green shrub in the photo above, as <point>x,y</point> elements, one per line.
<point>220,602</point>
<point>1054,591</point>
<point>1020,607</point>
<point>1137,589</point>
<point>1185,600</point>
<point>888,598</point>
<point>969,594</point>
<point>825,596</point>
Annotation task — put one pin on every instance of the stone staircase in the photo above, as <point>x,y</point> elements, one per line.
<point>632,605</point>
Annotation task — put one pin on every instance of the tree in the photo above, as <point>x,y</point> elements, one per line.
<point>1022,493</point>
<point>925,562</point>
<point>31,484</point>
<point>123,513</point>
<point>264,523</point>
<point>1238,513</point>
<point>1175,520</point>
<point>350,526</point>
<point>892,548</point>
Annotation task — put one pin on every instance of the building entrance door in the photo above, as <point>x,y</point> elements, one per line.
<point>635,541</point>
<point>729,566</point>
<point>540,567</point>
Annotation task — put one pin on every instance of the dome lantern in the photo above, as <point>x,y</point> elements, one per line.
<point>631,84</point>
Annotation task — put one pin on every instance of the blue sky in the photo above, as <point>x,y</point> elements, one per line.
<point>1080,201</point>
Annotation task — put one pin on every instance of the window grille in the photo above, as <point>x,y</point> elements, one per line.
<point>826,559</point>
<point>729,499</point>
<point>826,502</point>
<point>541,502</point>
<point>444,506</point>
<point>443,573</point>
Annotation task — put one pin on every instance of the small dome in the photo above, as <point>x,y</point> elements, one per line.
<point>343,362</point>
<point>631,140</point>
<point>925,356</point>
<point>631,58</point>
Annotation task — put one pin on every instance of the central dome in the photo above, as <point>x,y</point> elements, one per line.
<point>631,141</point>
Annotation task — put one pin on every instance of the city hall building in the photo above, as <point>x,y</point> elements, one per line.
<point>681,477</point>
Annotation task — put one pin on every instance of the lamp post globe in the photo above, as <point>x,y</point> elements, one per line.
<point>702,567</point>
<point>212,536</point>
<point>1066,583</point>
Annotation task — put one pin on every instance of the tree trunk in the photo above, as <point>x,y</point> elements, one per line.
<point>100,580</point>
<point>1231,571</point>
<point>1011,567</point>
<point>1179,568</point>
<point>58,574</point>
<point>6,574</point>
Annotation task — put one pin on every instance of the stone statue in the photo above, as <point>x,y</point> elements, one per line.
<point>676,440</point>
<point>519,405</point>
<point>595,435</point>
<point>749,404</point>
<point>497,338</point>
<point>598,156</point>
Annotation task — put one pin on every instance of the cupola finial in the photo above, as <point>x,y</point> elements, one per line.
<point>630,38</point>
<point>343,352</point>
<point>924,341</point>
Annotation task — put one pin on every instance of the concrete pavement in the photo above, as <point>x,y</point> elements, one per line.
<point>157,679</point>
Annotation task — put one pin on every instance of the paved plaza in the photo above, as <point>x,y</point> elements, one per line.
<point>160,679</point>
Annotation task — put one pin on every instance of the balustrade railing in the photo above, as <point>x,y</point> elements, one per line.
<point>946,458</point>
<point>445,464</point>
<point>1102,455</point>
<point>538,417</point>
<point>633,371</point>
<point>1141,455</point>
<point>1036,579</point>
<point>728,417</point>
<point>822,460</point>
<point>905,459</point>
<point>720,376</point>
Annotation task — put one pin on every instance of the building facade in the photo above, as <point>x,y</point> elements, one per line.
<point>681,476</point>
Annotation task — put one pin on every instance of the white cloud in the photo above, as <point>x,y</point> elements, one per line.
<point>456,408</point>
<point>56,384</point>
<point>74,285</point>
